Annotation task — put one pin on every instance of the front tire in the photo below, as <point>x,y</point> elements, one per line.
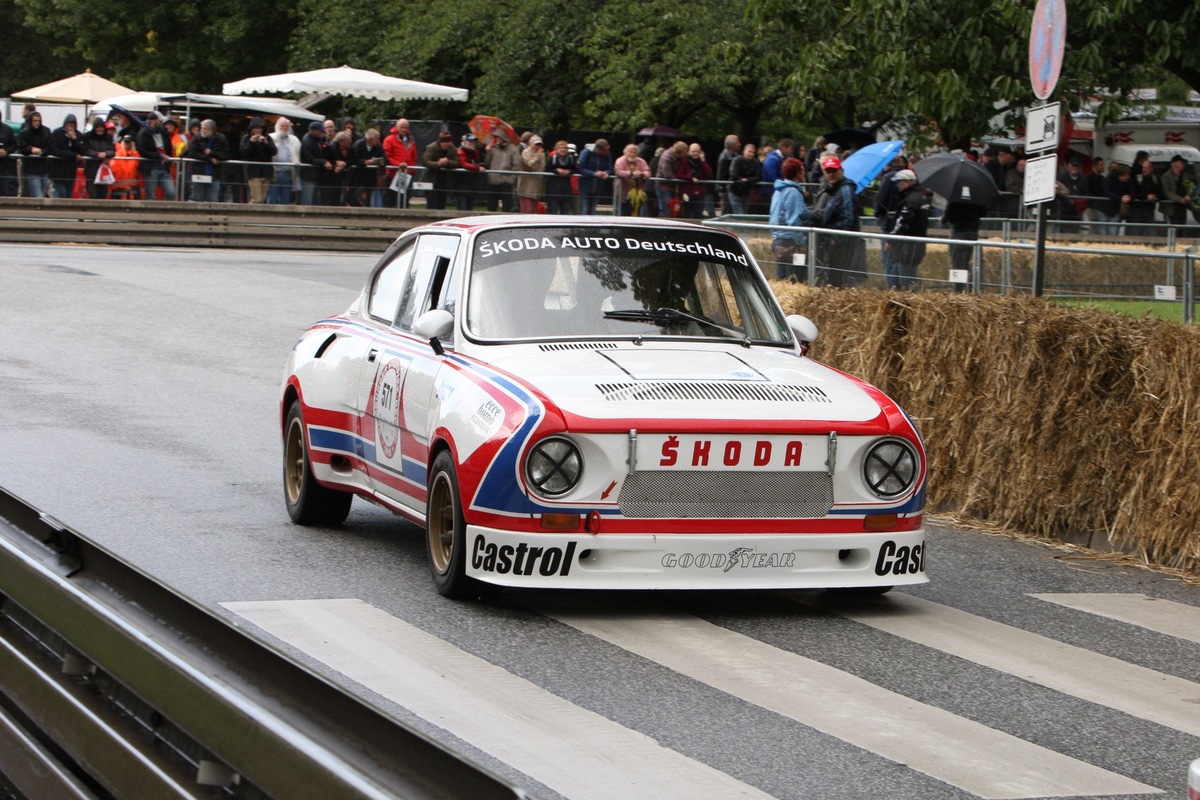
<point>308,502</point>
<point>446,530</point>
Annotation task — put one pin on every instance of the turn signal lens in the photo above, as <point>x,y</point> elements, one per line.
<point>880,522</point>
<point>561,522</point>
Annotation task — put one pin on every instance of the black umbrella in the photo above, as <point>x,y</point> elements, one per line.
<point>956,178</point>
<point>850,138</point>
<point>136,123</point>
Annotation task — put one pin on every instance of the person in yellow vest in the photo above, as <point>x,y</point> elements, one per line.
<point>176,144</point>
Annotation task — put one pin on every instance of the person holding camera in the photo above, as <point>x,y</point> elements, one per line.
<point>259,148</point>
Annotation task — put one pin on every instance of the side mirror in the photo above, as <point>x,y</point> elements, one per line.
<point>804,329</point>
<point>433,325</point>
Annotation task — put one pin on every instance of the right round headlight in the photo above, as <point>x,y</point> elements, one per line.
<point>890,468</point>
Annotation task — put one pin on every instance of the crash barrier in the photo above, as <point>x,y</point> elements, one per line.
<point>110,679</point>
<point>152,224</point>
<point>1160,272</point>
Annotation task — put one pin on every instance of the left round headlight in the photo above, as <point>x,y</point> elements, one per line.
<point>554,466</point>
<point>890,468</point>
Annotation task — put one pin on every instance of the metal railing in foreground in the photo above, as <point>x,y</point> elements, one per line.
<point>1102,272</point>
<point>113,685</point>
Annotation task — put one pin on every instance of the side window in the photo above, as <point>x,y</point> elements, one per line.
<point>434,256</point>
<point>389,281</point>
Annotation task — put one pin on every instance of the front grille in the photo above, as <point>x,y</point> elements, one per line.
<point>684,494</point>
<point>714,390</point>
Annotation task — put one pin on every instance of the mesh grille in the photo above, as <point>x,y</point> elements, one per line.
<point>726,390</point>
<point>738,495</point>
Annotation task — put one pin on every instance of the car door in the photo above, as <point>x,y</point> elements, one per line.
<point>402,369</point>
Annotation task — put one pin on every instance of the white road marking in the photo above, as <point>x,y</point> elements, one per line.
<point>1097,678</point>
<point>576,752</point>
<point>1162,616</point>
<point>957,751</point>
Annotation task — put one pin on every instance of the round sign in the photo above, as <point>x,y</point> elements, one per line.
<point>1046,40</point>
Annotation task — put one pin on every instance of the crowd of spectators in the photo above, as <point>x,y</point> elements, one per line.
<point>334,163</point>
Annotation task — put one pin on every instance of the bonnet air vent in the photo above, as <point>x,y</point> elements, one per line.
<point>578,346</point>
<point>729,390</point>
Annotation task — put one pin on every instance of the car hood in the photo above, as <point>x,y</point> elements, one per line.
<point>662,381</point>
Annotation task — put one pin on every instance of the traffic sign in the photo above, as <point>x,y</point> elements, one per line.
<point>1047,37</point>
<point>1041,175</point>
<point>1042,127</point>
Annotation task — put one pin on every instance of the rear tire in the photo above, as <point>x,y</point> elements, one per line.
<point>308,502</point>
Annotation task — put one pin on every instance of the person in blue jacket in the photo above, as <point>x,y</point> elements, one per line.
<point>789,209</point>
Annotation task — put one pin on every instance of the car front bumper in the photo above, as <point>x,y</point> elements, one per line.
<point>695,561</point>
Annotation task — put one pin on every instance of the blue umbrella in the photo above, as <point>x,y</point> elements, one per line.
<point>865,163</point>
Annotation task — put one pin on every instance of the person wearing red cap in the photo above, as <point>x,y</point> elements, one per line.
<point>842,259</point>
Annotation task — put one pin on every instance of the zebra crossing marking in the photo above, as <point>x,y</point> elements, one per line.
<point>963,753</point>
<point>1162,616</point>
<point>578,753</point>
<point>1074,671</point>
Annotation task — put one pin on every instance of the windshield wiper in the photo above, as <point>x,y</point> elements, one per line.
<point>674,315</point>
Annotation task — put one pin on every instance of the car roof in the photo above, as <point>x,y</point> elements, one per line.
<point>491,222</point>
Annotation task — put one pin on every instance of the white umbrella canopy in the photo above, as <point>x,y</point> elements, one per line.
<point>346,81</point>
<point>86,87</point>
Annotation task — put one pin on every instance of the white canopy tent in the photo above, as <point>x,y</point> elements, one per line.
<point>346,81</point>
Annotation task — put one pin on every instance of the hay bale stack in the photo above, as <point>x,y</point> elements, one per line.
<point>1052,420</point>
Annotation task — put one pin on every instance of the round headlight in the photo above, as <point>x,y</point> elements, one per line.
<point>890,468</point>
<point>554,466</point>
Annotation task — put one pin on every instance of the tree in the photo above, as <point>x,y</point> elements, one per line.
<point>23,61</point>
<point>662,62</point>
<point>183,45</point>
<point>963,67</point>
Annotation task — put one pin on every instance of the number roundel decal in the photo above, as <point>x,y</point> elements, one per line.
<point>386,407</point>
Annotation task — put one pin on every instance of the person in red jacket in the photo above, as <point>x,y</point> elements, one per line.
<point>468,183</point>
<point>400,150</point>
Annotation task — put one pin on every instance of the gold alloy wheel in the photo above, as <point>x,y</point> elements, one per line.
<point>293,459</point>
<point>441,523</point>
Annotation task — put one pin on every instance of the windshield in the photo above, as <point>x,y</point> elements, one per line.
<point>618,282</point>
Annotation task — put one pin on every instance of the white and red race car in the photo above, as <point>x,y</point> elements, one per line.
<point>599,403</point>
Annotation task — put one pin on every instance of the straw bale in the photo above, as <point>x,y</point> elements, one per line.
<point>1037,417</point>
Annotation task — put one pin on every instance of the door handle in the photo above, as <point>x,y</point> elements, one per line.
<point>371,355</point>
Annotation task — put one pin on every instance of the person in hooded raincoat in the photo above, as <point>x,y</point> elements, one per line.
<point>98,148</point>
<point>67,152</point>
<point>36,144</point>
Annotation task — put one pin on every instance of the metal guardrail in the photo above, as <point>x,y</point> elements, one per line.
<point>114,685</point>
<point>1179,267</point>
<point>158,224</point>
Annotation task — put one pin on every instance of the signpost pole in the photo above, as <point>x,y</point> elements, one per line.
<point>1047,36</point>
<point>1039,255</point>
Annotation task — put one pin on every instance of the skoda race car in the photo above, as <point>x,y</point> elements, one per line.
<point>599,403</point>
